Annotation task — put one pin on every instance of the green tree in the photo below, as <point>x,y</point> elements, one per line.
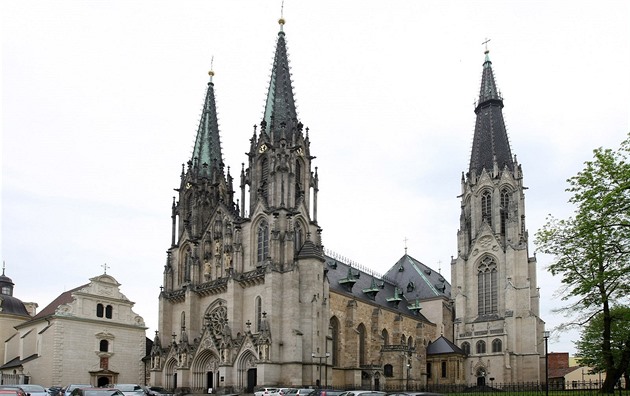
<point>589,347</point>
<point>592,249</point>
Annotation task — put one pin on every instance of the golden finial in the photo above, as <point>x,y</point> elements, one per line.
<point>281,21</point>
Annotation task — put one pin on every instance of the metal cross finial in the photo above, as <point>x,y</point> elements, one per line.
<point>105,267</point>
<point>282,9</point>
<point>486,43</point>
<point>405,240</point>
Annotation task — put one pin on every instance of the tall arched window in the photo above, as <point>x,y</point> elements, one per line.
<point>487,286</point>
<point>481,347</point>
<point>264,178</point>
<point>466,348</point>
<point>262,241</point>
<point>497,345</point>
<point>505,203</point>
<point>298,237</point>
<point>362,345</point>
<point>385,336</point>
<point>103,346</point>
<point>258,313</point>
<point>486,207</point>
<point>298,179</point>
<point>99,310</point>
<point>334,328</point>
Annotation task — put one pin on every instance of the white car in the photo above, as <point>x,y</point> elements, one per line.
<point>265,391</point>
<point>281,392</point>
<point>130,389</point>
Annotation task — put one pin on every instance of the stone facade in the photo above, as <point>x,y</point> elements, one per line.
<point>497,307</point>
<point>250,297</point>
<point>88,335</point>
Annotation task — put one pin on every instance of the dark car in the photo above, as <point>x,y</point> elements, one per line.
<point>97,392</point>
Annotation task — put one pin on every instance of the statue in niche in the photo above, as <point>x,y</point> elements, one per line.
<point>217,248</point>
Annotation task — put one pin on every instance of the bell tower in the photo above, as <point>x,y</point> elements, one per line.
<point>497,316</point>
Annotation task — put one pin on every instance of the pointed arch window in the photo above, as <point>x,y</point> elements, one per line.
<point>385,336</point>
<point>466,347</point>
<point>264,178</point>
<point>497,345</point>
<point>298,179</point>
<point>298,237</point>
<point>258,313</point>
<point>481,347</point>
<point>362,344</point>
<point>262,242</point>
<point>334,326</point>
<point>486,207</point>
<point>487,286</point>
<point>505,203</point>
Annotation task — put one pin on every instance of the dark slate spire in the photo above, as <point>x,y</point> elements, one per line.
<point>207,151</point>
<point>490,142</point>
<point>280,105</point>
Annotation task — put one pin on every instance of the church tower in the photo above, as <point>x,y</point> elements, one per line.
<point>244,300</point>
<point>497,316</point>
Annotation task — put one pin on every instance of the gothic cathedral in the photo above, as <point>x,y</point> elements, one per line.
<point>493,278</point>
<point>250,297</point>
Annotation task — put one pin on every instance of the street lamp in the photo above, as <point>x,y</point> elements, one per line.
<point>319,382</point>
<point>546,337</point>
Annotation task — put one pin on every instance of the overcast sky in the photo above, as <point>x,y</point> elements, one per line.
<point>101,100</point>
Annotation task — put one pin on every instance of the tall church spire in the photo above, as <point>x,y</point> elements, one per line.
<point>280,106</point>
<point>490,143</point>
<point>207,151</point>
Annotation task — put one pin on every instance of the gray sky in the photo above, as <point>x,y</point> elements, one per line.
<point>101,100</point>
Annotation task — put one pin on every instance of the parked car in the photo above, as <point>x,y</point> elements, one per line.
<point>34,390</point>
<point>68,389</point>
<point>328,392</point>
<point>96,392</point>
<point>9,392</point>
<point>363,393</point>
<point>55,391</point>
<point>281,392</point>
<point>130,389</point>
<point>265,391</point>
<point>11,389</point>
<point>157,391</point>
<point>301,392</point>
<point>414,394</point>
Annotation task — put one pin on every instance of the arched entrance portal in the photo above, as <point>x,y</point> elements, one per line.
<point>481,376</point>
<point>251,380</point>
<point>247,372</point>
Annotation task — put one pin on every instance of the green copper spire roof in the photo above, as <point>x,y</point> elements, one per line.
<point>490,141</point>
<point>280,105</point>
<point>207,151</point>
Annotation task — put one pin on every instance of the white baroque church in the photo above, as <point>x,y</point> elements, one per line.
<point>250,297</point>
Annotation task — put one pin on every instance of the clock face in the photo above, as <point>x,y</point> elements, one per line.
<point>263,148</point>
